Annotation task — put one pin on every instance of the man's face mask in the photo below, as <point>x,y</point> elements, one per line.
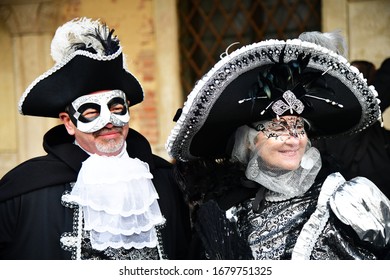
<point>92,112</point>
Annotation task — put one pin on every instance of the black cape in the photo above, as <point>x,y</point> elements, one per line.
<point>32,217</point>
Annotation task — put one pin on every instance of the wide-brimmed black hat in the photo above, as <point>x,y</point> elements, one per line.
<point>269,79</point>
<point>88,59</point>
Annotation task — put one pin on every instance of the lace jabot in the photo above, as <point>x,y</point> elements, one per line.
<point>119,202</point>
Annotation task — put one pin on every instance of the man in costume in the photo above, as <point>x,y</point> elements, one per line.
<point>99,193</point>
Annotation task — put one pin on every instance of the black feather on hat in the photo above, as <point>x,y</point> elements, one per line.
<point>88,58</point>
<point>269,79</point>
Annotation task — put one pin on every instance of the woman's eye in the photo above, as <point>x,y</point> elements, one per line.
<point>300,125</point>
<point>278,128</point>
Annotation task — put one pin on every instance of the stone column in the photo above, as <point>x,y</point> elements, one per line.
<point>31,27</point>
<point>168,68</point>
<point>365,24</point>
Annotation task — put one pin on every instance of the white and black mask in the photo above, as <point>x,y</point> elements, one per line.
<point>92,112</point>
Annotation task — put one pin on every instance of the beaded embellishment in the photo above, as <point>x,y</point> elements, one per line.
<point>209,88</point>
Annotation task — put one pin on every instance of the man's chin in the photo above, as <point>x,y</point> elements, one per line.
<point>110,147</point>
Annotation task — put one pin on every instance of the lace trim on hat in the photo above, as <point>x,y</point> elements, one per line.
<point>61,64</point>
<point>207,90</point>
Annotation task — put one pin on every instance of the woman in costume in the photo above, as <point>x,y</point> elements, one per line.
<point>242,145</point>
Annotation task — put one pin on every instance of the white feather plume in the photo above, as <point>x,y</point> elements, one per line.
<point>75,32</point>
<point>333,41</point>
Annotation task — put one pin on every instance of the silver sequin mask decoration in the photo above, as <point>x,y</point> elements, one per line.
<point>94,111</point>
<point>282,128</point>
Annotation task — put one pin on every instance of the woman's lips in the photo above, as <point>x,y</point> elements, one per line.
<point>289,152</point>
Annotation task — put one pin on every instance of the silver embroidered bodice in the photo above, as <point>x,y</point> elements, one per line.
<point>273,233</point>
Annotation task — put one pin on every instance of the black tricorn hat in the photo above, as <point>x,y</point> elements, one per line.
<point>88,59</point>
<point>269,79</point>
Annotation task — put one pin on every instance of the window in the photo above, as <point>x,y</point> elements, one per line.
<point>208,28</point>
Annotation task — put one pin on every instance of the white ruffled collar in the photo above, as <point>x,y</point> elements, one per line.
<point>119,202</point>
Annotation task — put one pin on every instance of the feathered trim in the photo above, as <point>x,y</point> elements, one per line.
<point>281,76</point>
<point>220,237</point>
<point>83,34</point>
<point>333,41</point>
<point>204,179</point>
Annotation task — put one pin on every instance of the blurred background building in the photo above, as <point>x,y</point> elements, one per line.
<point>169,45</point>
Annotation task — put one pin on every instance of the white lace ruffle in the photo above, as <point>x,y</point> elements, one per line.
<point>119,202</point>
<point>316,223</point>
<point>102,240</point>
<point>125,199</point>
<point>101,221</point>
